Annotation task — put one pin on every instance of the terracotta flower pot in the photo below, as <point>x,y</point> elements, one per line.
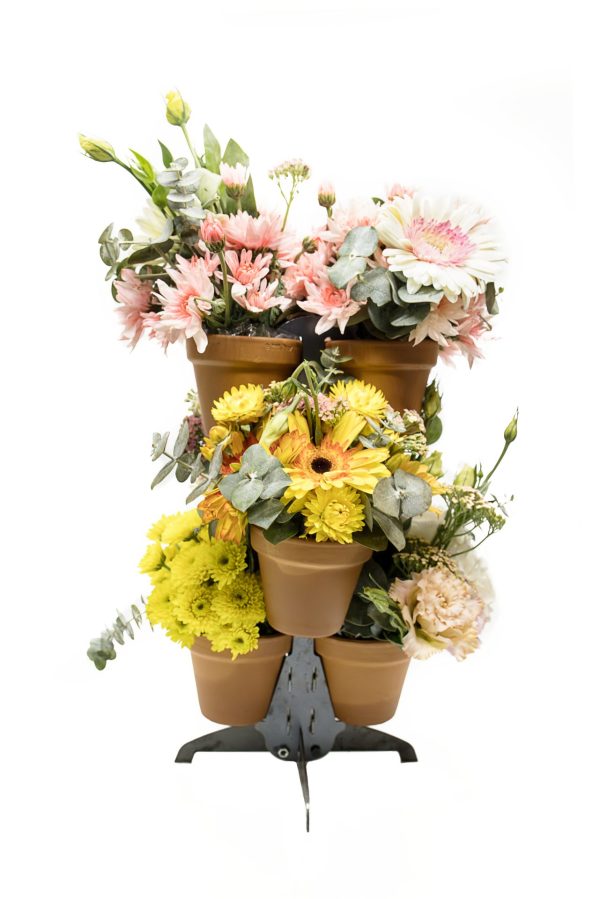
<point>240,691</point>
<point>365,678</point>
<point>308,586</point>
<point>399,369</point>
<point>231,361</point>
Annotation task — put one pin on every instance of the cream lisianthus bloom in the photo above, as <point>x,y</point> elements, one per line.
<point>154,224</point>
<point>444,244</point>
<point>442,611</point>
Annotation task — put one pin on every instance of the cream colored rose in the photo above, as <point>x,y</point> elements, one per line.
<point>442,611</point>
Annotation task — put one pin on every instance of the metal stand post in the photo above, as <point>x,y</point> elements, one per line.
<point>300,725</point>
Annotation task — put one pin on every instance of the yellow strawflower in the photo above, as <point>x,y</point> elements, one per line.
<point>240,405</point>
<point>334,514</point>
<point>360,397</point>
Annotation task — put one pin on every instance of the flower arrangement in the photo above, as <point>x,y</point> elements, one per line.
<point>206,260</point>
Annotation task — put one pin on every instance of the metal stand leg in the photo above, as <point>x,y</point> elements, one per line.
<point>300,725</point>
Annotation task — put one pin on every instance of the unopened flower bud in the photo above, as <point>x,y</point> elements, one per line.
<point>326,195</point>
<point>465,477</point>
<point>309,245</point>
<point>510,433</point>
<point>275,428</point>
<point>434,464</point>
<point>178,111</point>
<point>234,178</point>
<point>432,403</point>
<point>212,233</point>
<point>99,150</point>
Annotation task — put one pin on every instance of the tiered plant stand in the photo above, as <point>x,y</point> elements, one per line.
<point>300,725</point>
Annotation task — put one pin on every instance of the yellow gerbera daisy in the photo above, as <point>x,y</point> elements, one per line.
<point>329,465</point>
<point>360,397</point>
<point>417,468</point>
<point>241,405</point>
<point>334,514</point>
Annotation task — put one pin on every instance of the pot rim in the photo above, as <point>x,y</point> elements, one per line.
<point>305,551</point>
<point>388,352</point>
<point>269,646</point>
<point>360,650</point>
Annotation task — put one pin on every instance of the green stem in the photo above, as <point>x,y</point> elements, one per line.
<point>471,548</point>
<point>176,459</point>
<point>128,169</point>
<point>195,156</point>
<point>226,289</point>
<point>484,486</point>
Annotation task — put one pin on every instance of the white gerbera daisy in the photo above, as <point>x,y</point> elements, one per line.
<point>445,244</point>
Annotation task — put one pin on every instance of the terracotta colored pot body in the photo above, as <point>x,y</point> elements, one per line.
<point>365,678</point>
<point>399,369</point>
<point>240,691</point>
<point>308,586</point>
<point>230,361</point>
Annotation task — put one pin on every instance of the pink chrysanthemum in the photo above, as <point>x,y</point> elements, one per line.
<point>135,297</point>
<point>444,244</point>
<point>471,329</point>
<point>244,271</point>
<point>309,269</point>
<point>334,306</point>
<point>260,298</point>
<point>243,231</point>
<point>185,303</point>
<point>358,212</point>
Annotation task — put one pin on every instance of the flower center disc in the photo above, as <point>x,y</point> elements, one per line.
<point>321,465</point>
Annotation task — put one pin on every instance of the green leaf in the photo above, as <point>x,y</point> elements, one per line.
<point>264,513</point>
<point>248,199</point>
<point>212,151</point>
<point>275,483</point>
<point>163,473</point>
<point>159,196</point>
<point>182,438</point>
<point>368,511</point>
<point>433,429</point>
<point>110,252</point>
<point>167,156</point>
<point>234,154</point>
<point>258,461</point>
<point>159,445</point>
<point>375,285</point>
<point>197,467</point>
<point>375,539</point>
<point>424,295</point>
<point>182,473</point>
<point>125,235</point>
<point>197,491</point>
<point>214,469</point>
<point>491,299</point>
<point>148,254</point>
<point>407,316</point>
<point>137,615</point>
<point>386,498</point>
<point>106,234</point>
<point>361,241</point>
<point>246,493</point>
<point>230,483</point>
<point>415,494</point>
<point>278,532</point>
<point>346,268</point>
<point>145,166</point>
<point>392,531</point>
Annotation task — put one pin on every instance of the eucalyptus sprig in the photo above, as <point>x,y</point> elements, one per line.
<point>102,649</point>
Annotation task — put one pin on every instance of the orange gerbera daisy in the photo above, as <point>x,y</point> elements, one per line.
<point>329,465</point>
<point>231,524</point>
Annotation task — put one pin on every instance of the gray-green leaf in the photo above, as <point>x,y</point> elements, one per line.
<point>163,473</point>
<point>361,241</point>
<point>346,268</point>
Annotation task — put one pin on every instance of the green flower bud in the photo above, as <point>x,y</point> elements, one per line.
<point>275,428</point>
<point>309,245</point>
<point>99,150</point>
<point>178,111</point>
<point>432,403</point>
<point>510,433</point>
<point>465,477</point>
<point>434,464</point>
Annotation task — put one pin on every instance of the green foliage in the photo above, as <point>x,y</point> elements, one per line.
<point>102,649</point>
<point>212,151</point>
<point>261,478</point>
<point>372,614</point>
<point>430,412</point>
<point>186,465</point>
<point>359,244</point>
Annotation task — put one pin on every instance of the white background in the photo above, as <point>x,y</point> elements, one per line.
<point>473,99</point>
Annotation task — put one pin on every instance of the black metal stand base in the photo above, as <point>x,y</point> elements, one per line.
<point>300,725</point>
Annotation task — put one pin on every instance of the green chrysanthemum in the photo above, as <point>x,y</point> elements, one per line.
<point>225,561</point>
<point>242,602</point>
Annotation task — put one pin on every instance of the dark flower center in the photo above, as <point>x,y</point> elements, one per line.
<point>321,465</point>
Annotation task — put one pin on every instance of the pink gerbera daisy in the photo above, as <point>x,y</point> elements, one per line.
<point>185,303</point>
<point>246,272</point>
<point>135,297</point>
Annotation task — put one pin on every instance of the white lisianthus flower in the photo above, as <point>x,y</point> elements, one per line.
<point>444,244</point>
<point>154,224</point>
<point>424,526</point>
<point>208,187</point>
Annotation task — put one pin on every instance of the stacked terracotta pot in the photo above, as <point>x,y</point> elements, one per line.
<point>308,587</point>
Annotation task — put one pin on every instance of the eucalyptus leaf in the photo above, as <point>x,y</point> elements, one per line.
<point>277,532</point>
<point>433,429</point>
<point>182,472</point>
<point>386,497</point>
<point>230,483</point>
<point>264,513</point>
<point>390,528</point>
<point>361,241</point>
<point>415,493</point>
<point>159,445</point>
<point>106,234</point>
<point>246,493</point>
<point>408,316</point>
<point>424,295</point>
<point>214,468</point>
<point>258,461</point>
<point>198,490</point>
<point>182,438</point>
<point>346,268</point>
<point>125,235</point>
<point>275,483</point>
<point>197,467</point>
<point>375,285</point>
<point>368,511</point>
<point>375,539</point>
<point>163,473</point>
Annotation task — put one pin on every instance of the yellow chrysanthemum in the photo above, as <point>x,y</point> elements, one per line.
<point>194,609</point>
<point>241,405</point>
<point>190,567</point>
<point>181,526</point>
<point>334,514</point>
<point>242,602</point>
<point>360,397</point>
<point>239,640</point>
<point>328,465</point>
<point>417,468</point>
<point>231,524</point>
<point>158,605</point>
<point>152,559</point>
<point>156,531</point>
<point>225,561</point>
